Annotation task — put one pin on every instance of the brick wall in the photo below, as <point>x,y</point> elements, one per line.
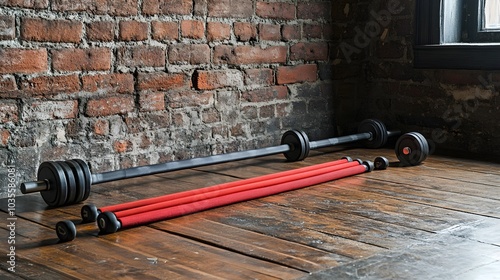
<point>457,110</point>
<point>136,82</point>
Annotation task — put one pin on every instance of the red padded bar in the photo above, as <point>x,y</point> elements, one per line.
<point>179,210</point>
<point>142,202</point>
<point>235,189</point>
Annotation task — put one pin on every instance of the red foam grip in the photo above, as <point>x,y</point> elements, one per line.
<point>235,189</point>
<point>142,202</point>
<point>188,208</point>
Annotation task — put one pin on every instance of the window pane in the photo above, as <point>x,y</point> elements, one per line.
<point>492,14</point>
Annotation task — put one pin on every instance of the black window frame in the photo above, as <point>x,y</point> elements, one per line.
<point>439,39</point>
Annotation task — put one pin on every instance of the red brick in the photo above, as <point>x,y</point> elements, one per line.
<point>152,101</point>
<point>7,27</point>
<point>7,86</point>
<point>189,98</point>
<point>314,10</point>
<point>164,30</point>
<point>51,85</point>
<point>4,137</point>
<point>101,31</point>
<point>259,76</point>
<point>266,111</point>
<point>297,74</point>
<point>8,112</point>
<point>94,59</point>
<point>249,54</point>
<point>114,8</point>
<point>217,31</point>
<point>23,61</point>
<point>276,10</point>
<point>309,51</point>
<point>167,7</point>
<point>291,32</point>
<point>189,53</point>
<point>271,32</point>
<point>245,31</point>
<point>57,31</point>
<point>266,94</point>
<point>50,110</point>
<point>108,83</point>
<point>230,8</point>
<point>32,4</point>
<point>122,146</point>
<point>161,81</point>
<point>192,29</point>
<point>210,115</point>
<point>131,30</point>
<point>141,56</point>
<point>101,127</point>
<point>313,31</point>
<point>107,106</point>
<point>207,80</point>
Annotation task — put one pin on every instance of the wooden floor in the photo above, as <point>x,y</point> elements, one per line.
<point>439,220</point>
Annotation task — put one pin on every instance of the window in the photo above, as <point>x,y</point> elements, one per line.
<point>459,34</point>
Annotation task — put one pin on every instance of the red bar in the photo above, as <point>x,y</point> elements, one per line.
<point>179,210</point>
<point>235,189</point>
<point>142,202</point>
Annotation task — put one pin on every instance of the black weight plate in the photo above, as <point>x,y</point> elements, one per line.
<point>377,130</point>
<point>381,163</point>
<point>66,230</point>
<point>307,146</point>
<point>89,213</point>
<point>80,180</point>
<point>411,150</point>
<point>58,189</point>
<point>88,177</point>
<point>298,146</point>
<point>425,144</point>
<point>70,181</point>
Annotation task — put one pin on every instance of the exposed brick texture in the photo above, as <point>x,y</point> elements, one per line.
<point>57,31</point>
<point>127,82</point>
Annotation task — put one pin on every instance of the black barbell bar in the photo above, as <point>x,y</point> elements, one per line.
<point>65,183</point>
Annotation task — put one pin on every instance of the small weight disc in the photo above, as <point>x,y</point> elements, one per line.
<point>411,149</point>
<point>369,165</point>
<point>80,180</point>
<point>70,181</point>
<point>66,230</point>
<point>307,145</point>
<point>108,223</point>
<point>88,178</point>
<point>378,131</point>
<point>299,146</point>
<point>58,189</point>
<point>381,163</point>
<point>89,213</point>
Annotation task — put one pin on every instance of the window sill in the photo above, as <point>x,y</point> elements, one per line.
<point>457,56</point>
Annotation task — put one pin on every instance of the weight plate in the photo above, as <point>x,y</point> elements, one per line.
<point>54,174</point>
<point>378,133</point>
<point>66,230</point>
<point>307,148</point>
<point>70,181</point>
<point>299,146</point>
<point>80,180</point>
<point>88,178</point>
<point>89,213</point>
<point>381,163</point>
<point>411,149</point>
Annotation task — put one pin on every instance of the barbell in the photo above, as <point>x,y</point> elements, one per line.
<point>68,182</point>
